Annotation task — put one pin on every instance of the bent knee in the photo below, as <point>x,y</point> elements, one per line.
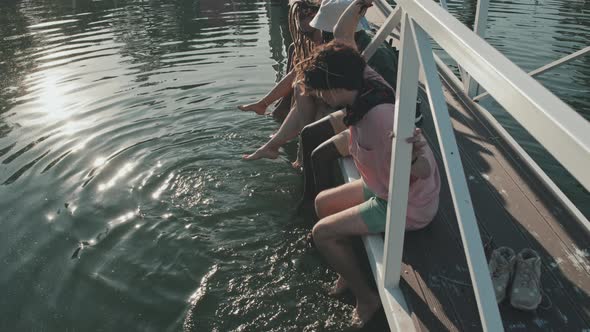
<point>321,202</point>
<point>320,232</point>
<point>316,157</point>
<point>326,152</point>
<point>306,134</point>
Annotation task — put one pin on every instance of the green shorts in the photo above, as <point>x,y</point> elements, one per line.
<point>373,211</point>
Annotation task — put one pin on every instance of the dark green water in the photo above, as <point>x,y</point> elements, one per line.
<point>119,130</point>
<point>124,205</point>
<point>533,33</point>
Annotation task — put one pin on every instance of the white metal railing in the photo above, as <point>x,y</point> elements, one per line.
<point>479,27</point>
<point>547,67</point>
<point>554,124</point>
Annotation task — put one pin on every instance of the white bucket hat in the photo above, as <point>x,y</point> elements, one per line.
<point>329,13</point>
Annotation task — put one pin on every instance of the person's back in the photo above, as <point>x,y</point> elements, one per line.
<point>370,147</point>
<point>385,59</point>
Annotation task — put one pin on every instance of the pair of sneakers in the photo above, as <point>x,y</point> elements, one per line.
<point>523,270</point>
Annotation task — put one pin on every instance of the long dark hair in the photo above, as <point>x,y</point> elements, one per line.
<point>338,65</point>
<point>303,44</point>
<point>335,65</point>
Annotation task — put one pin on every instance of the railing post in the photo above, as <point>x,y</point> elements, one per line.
<point>390,23</point>
<point>479,27</point>
<point>399,181</point>
<point>548,66</point>
<point>476,259</point>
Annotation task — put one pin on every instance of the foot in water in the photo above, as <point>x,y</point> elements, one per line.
<point>258,108</point>
<point>264,152</point>
<point>340,287</point>
<point>365,310</point>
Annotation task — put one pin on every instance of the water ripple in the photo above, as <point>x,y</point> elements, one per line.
<point>122,183</point>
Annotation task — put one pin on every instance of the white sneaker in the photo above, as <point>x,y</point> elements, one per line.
<point>526,286</point>
<point>501,268</point>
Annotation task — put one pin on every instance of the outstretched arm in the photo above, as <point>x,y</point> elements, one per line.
<point>346,26</point>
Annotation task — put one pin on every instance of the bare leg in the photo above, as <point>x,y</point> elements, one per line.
<point>339,287</point>
<point>300,115</point>
<point>322,112</point>
<point>330,236</point>
<point>284,105</point>
<point>312,137</point>
<point>258,107</point>
<point>323,158</point>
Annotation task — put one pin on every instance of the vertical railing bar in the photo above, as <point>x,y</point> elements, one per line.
<point>390,23</point>
<point>462,72</point>
<point>383,6</point>
<point>479,27</point>
<point>481,18</point>
<point>399,181</point>
<point>480,277</point>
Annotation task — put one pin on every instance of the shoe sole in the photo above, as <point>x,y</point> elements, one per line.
<point>521,307</point>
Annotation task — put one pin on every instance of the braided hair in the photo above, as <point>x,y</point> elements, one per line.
<point>303,44</point>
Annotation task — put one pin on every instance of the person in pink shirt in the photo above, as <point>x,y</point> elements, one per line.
<point>338,74</point>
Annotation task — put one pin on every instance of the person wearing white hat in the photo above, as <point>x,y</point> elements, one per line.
<point>329,13</point>
<point>307,109</point>
<point>309,28</point>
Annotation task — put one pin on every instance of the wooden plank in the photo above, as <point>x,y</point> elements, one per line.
<point>512,319</point>
<point>438,256</point>
<point>515,222</point>
<point>515,209</point>
<point>414,296</point>
<point>482,284</point>
<point>434,261</point>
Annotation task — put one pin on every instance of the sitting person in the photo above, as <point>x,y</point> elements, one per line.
<point>310,28</point>
<point>308,109</point>
<point>305,38</point>
<point>338,75</point>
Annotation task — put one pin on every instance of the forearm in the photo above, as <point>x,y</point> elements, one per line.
<point>420,168</point>
<point>290,128</point>
<point>282,89</point>
<point>346,27</point>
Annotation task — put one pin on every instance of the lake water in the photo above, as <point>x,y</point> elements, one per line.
<point>124,202</point>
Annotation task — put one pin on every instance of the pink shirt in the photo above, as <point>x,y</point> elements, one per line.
<point>370,147</point>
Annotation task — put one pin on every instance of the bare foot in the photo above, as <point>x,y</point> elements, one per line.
<point>258,108</point>
<point>339,288</point>
<point>365,310</point>
<point>263,152</point>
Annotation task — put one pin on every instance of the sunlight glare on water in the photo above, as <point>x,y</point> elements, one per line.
<point>125,205</point>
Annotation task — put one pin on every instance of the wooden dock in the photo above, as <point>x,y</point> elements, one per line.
<point>513,208</point>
